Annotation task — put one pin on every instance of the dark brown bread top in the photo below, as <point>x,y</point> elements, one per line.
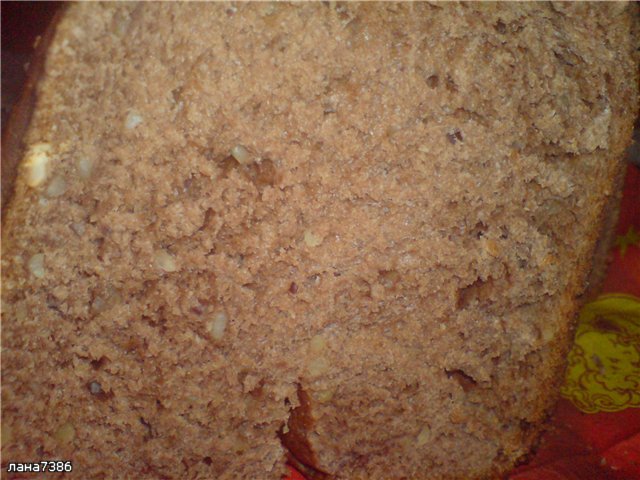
<point>387,207</point>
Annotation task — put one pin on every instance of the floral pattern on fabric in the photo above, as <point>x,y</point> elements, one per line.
<point>603,374</point>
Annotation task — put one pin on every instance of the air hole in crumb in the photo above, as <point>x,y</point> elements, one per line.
<point>608,79</point>
<point>411,388</point>
<point>312,280</point>
<point>433,81</point>
<point>451,85</point>
<point>479,291</point>
<point>362,288</point>
<point>525,425</point>
<point>389,278</point>
<point>500,27</point>
<point>258,390</point>
<point>176,94</point>
<point>263,174</point>
<point>227,165</point>
<point>136,344</point>
<point>100,247</point>
<point>467,382</point>
<point>209,217</point>
<point>567,58</point>
<point>53,303</point>
<point>588,104</point>
<point>480,229</point>
<point>207,460</point>
<point>98,364</point>
<point>149,433</point>
<point>293,288</point>
<point>501,457</point>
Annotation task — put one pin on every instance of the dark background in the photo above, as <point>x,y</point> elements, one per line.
<point>22,23</point>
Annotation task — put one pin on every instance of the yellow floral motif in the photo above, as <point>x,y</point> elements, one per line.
<point>603,374</point>
<point>630,238</point>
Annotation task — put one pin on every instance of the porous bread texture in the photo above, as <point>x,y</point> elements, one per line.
<point>383,211</point>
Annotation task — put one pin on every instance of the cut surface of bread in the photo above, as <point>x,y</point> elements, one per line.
<point>356,234</point>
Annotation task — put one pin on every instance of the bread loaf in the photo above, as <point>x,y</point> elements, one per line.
<point>355,234</point>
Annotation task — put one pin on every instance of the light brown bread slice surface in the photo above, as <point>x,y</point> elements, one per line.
<point>357,233</point>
